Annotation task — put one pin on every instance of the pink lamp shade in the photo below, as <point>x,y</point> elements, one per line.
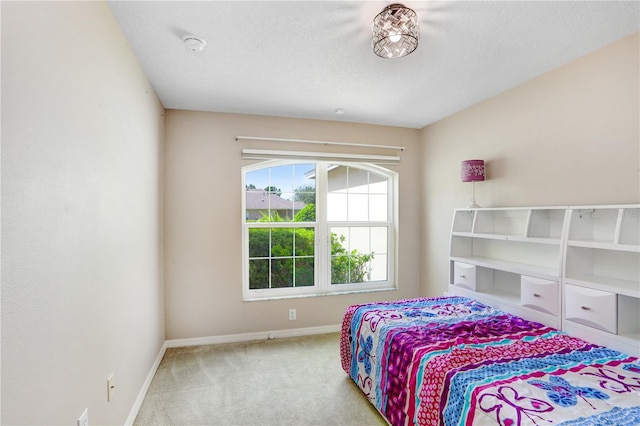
<point>472,170</point>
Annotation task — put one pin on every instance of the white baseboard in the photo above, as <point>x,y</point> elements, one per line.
<point>214,340</point>
<point>145,386</point>
<point>248,337</point>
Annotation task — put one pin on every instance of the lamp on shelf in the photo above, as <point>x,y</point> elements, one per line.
<point>472,171</point>
<point>395,32</point>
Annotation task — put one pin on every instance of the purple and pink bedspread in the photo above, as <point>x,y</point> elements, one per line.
<point>455,361</point>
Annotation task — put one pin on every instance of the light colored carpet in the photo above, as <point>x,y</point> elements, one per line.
<point>295,381</point>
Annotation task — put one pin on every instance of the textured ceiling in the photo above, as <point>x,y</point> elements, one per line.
<point>308,58</point>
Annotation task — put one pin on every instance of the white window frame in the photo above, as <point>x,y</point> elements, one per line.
<point>322,264</point>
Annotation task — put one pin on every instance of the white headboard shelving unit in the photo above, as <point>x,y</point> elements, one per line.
<point>575,268</point>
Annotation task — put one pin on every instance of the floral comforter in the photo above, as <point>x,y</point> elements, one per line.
<point>455,361</point>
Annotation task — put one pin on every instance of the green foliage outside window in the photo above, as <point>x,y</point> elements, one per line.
<point>347,267</point>
<point>274,190</point>
<point>307,214</point>
<point>306,194</point>
<point>290,253</point>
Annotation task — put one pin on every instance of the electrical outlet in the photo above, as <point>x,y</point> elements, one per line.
<point>111,386</point>
<point>83,420</point>
<point>292,314</point>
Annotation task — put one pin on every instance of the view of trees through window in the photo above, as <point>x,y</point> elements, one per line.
<point>280,212</point>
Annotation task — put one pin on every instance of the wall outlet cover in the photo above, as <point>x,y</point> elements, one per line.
<point>83,420</point>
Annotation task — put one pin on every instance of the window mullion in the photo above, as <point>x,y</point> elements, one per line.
<point>323,246</point>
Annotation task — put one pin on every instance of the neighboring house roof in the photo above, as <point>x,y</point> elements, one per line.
<point>311,174</point>
<point>259,199</point>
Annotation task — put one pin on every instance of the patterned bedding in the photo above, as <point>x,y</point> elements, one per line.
<point>455,361</point>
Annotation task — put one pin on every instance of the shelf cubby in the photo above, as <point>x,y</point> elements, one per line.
<point>576,253</point>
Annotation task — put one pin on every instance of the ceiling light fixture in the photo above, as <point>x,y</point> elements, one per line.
<point>395,32</point>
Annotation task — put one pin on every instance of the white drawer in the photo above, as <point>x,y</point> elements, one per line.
<point>464,275</point>
<point>539,294</point>
<point>594,308</point>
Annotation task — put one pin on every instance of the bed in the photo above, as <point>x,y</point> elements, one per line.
<point>456,361</point>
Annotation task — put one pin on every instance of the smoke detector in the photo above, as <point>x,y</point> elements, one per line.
<point>193,44</point>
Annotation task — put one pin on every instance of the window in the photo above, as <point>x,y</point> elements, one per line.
<point>317,227</point>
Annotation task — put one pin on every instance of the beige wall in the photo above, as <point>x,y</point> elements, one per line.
<point>569,137</point>
<point>203,225</point>
<point>82,146</point>
<point>82,191</point>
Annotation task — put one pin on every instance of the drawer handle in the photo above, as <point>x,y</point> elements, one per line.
<point>585,308</point>
<point>536,295</point>
<point>462,276</point>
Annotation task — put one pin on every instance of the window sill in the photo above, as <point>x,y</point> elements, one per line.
<point>334,293</point>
